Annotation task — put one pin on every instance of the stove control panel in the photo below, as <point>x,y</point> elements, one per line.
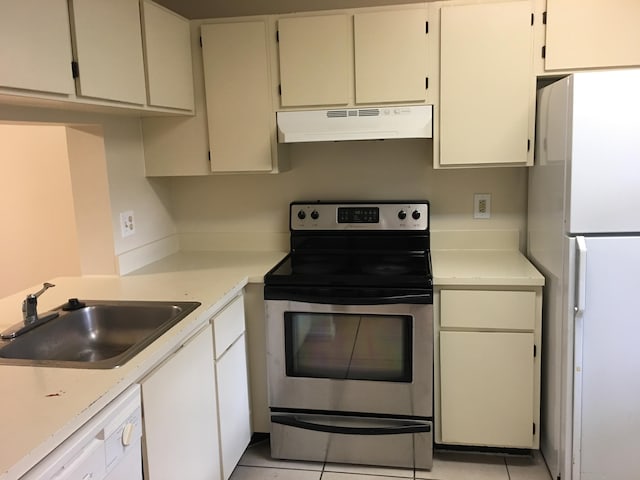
<point>359,216</point>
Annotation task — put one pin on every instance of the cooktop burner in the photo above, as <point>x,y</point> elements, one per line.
<point>346,244</point>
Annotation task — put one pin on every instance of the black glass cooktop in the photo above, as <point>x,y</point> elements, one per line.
<point>353,269</point>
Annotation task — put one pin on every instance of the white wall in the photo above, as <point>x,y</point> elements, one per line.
<point>39,238</point>
<point>129,189</point>
<point>257,205</point>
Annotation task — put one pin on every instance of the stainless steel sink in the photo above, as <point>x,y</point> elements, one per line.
<point>103,334</point>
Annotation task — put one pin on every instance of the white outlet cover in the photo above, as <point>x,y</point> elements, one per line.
<point>127,223</point>
<point>482,205</point>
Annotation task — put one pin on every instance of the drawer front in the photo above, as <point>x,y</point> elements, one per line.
<point>508,310</point>
<point>228,325</point>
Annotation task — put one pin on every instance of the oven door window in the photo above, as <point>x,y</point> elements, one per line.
<point>349,346</point>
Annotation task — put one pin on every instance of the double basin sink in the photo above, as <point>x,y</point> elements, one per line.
<point>97,334</point>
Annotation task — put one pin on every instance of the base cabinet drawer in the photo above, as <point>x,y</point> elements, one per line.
<point>497,309</point>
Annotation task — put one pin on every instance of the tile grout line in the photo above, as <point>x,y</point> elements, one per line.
<point>506,465</point>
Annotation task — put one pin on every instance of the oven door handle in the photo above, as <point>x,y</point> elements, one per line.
<point>347,296</point>
<point>406,426</point>
<point>382,300</point>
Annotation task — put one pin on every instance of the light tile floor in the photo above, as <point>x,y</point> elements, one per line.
<point>257,464</point>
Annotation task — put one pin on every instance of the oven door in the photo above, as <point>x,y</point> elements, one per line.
<point>374,359</point>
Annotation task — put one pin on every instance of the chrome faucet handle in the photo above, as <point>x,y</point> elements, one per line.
<point>30,304</point>
<point>45,287</point>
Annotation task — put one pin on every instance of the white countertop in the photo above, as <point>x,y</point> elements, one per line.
<point>42,406</point>
<point>483,268</point>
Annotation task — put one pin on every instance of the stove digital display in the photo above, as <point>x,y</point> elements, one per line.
<point>358,215</point>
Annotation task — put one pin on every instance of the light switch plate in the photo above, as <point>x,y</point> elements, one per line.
<point>127,223</point>
<point>482,205</point>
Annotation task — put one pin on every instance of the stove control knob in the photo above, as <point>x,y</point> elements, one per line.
<point>315,214</point>
<point>415,215</point>
<point>402,214</point>
<point>301,214</point>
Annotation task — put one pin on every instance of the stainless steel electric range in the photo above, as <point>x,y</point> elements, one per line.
<point>350,335</point>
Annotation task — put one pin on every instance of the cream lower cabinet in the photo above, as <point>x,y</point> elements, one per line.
<point>180,414</point>
<point>489,368</point>
<point>232,384</point>
<point>486,112</point>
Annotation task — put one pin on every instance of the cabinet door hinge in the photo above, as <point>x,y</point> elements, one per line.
<point>426,27</point>
<point>200,42</point>
<point>277,35</point>
<point>532,16</point>
<point>544,51</point>
<point>426,82</point>
<point>75,70</point>
<point>280,89</point>
<point>209,155</point>
<point>534,428</point>
<point>544,22</point>
<point>528,144</point>
<point>535,350</point>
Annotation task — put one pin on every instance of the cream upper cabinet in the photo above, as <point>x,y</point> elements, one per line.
<point>487,84</point>
<point>167,42</point>
<point>390,56</point>
<point>35,51</point>
<point>315,60</point>
<point>108,49</point>
<point>241,122</point>
<point>488,367</point>
<point>364,57</point>
<point>592,34</point>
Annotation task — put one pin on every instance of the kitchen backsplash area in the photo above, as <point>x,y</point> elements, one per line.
<point>251,209</point>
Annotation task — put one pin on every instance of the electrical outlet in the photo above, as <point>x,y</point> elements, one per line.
<point>127,223</point>
<point>482,205</point>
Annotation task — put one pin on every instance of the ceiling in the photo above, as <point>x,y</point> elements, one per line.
<point>234,8</point>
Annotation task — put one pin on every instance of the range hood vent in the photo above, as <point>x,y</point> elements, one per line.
<point>375,123</point>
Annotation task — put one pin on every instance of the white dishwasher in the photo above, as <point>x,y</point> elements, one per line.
<point>107,447</point>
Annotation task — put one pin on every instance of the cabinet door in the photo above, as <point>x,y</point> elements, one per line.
<point>233,404</point>
<point>238,96</point>
<point>168,58</point>
<point>315,60</point>
<point>108,48</point>
<point>487,84</point>
<point>179,411</point>
<point>487,388</point>
<point>35,46</point>
<point>592,34</point>
<point>390,56</point>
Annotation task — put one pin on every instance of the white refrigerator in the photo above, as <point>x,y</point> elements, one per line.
<point>584,236</point>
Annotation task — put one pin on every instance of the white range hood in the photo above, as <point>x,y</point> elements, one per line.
<point>371,123</point>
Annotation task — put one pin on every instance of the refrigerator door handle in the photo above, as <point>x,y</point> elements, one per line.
<point>578,332</point>
<point>581,274</point>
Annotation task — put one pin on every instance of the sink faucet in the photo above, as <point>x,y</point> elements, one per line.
<point>30,316</point>
<point>30,304</point>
